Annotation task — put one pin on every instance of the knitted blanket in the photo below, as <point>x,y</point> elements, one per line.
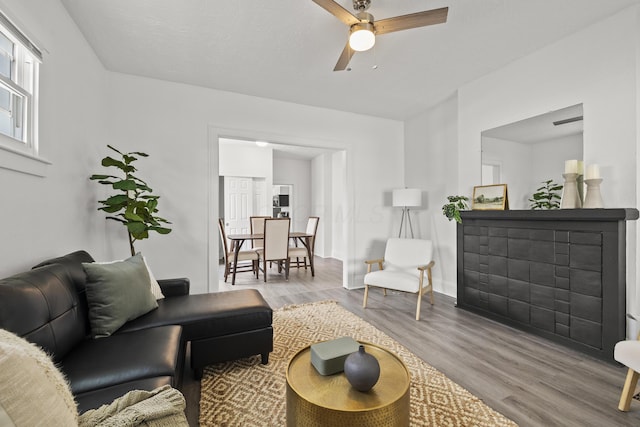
<point>162,407</point>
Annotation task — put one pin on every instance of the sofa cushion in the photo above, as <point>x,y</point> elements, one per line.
<point>209,315</point>
<point>100,363</point>
<point>42,306</point>
<point>32,391</point>
<point>116,293</point>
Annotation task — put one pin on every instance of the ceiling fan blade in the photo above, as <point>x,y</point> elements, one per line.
<point>338,11</point>
<point>413,20</point>
<point>344,59</point>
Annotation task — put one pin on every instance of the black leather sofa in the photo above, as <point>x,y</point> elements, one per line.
<point>47,306</point>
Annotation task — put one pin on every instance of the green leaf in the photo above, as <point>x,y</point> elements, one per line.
<point>110,161</point>
<point>133,217</point>
<point>136,227</point>
<point>138,153</point>
<point>128,159</point>
<point>110,209</point>
<point>114,149</point>
<point>116,200</point>
<point>140,235</point>
<point>102,176</point>
<point>127,184</point>
<point>117,219</point>
<point>161,230</point>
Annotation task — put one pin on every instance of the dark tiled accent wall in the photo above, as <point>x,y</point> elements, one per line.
<point>561,275</point>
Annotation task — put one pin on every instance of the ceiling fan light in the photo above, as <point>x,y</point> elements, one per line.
<point>362,37</point>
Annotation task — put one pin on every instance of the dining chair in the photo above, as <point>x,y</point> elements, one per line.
<point>276,245</point>
<point>403,269</point>
<point>257,227</point>
<point>297,252</point>
<point>250,255</point>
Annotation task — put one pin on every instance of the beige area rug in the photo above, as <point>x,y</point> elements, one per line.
<point>247,393</point>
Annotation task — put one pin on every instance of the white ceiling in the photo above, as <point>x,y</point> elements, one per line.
<point>283,151</point>
<point>541,128</point>
<point>286,49</point>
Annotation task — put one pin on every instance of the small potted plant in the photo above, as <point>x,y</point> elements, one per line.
<point>452,209</point>
<point>133,204</point>
<point>546,196</point>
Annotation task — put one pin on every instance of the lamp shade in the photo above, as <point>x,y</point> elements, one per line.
<point>407,197</point>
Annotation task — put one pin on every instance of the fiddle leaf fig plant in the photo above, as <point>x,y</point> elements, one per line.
<point>546,197</point>
<point>133,204</point>
<point>452,209</point>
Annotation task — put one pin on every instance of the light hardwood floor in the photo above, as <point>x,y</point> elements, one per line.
<point>532,381</point>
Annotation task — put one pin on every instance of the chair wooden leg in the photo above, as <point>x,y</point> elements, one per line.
<point>419,303</point>
<point>226,271</point>
<point>628,390</point>
<point>287,264</point>
<point>366,295</point>
<point>264,272</point>
<point>384,291</point>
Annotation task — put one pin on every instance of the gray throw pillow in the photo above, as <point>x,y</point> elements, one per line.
<point>116,293</point>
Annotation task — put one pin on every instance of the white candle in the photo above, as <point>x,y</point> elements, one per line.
<point>593,172</point>
<point>571,166</point>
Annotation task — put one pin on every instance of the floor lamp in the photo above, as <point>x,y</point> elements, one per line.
<point>406,198</point>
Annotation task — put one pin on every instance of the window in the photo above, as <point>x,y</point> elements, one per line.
<point>19,63</point>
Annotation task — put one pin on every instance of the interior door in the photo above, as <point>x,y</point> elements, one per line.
<point>238,205</point>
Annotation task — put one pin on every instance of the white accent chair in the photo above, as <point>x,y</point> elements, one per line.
<point>242,256</point>
<point>276,245</point>
<point>628,353</point>
<point>403,269</point>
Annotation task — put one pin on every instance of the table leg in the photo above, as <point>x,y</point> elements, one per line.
<point>307,244</point>
<point>236,250</point>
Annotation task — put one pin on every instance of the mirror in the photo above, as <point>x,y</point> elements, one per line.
<point>526,153</point>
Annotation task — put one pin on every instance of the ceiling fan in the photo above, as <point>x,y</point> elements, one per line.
<point>363,29</point>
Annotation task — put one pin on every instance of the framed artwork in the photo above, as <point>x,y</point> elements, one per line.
<point>490,197</point>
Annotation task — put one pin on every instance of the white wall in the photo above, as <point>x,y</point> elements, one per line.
<point>321,182</point>
<point>516,168</point>
<point>296,172</point>
<point>597,67</point>
<point>182,141</point>
<point>244,160</point>
<point>50,216</point>
<point>431,162</point>
<point>548,157</point>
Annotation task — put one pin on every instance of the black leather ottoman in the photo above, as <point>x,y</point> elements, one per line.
<point>221,326</point>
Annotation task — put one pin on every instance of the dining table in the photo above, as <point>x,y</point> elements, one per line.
<point>237,240</point>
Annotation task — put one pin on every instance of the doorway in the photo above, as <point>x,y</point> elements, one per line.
<point>324,192</point>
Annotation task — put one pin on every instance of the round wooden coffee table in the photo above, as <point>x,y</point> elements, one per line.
<point>317,400</point>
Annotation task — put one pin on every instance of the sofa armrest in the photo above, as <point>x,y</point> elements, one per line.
<point>174,287</point>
